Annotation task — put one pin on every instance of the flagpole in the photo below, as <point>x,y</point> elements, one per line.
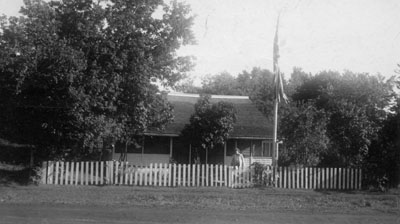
<point>278,91</point>
<point>275,135</point>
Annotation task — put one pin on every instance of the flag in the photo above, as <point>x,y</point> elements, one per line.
<point>279,94</point>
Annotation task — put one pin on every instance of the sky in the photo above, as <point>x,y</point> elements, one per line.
<point>315,35</point>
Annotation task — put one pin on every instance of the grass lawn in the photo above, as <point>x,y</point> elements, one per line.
<point>265,199</point>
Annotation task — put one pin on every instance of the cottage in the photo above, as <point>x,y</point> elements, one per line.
<point>252,134</point>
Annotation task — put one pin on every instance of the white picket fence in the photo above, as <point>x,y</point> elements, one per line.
<point>196,175</point>
<point>123,173</point>
<point>317,178</point>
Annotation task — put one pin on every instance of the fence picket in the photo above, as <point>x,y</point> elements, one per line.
<point>351,178</point>
<point>179,175</point>
<point>184,175</point>
<point>217,176</point>
<point>66,173</point>
<point>225,176</point>
<point>165,174</point>
<point>56,173</point>
<point>85,173</point>
<point>170,175</point>
<point>99,171</point>
<point>188,176</point>
<point>76,172</point>
<point>173,178</point>
<point>193,179</point>
<point>202,176</point>
<point>159,173</point>
<point>211,175</point>
<point>151,174</point>
<point>125,172</point>
<point>221,176</point>
<point>207,172</point>
<point>198,175</point>
<point>62,170</point>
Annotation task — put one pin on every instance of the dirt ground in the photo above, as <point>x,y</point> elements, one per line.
<point>122,204</point>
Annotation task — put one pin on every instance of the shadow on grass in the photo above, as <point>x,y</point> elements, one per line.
<point>17,177</point>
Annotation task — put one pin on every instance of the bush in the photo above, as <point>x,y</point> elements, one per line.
<point>262,174</point>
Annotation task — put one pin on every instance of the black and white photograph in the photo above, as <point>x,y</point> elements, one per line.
<point>199,111</point>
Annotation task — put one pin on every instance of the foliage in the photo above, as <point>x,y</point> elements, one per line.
<point>355,106</point>
<point>187,86</point>
<point>303,129</point>
<point>262,175</point>
<point>210,124</point>
<point>220,84</point>
<point>382,162</point>
<point>78,74</point>
<point>257,84</point>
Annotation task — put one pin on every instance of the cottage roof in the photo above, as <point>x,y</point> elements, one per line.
<point>250,122</point>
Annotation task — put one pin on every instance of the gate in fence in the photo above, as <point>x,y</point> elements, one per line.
<point>196,175</point>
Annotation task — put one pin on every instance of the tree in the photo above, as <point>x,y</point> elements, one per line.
<point>77,74</point>
<point>210,124</point>
<point>383,159</point>
<point>356,107</point>
<point>220,84</point>
<point>304,131</point>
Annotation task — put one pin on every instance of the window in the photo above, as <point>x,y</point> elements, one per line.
<point>267,149</point>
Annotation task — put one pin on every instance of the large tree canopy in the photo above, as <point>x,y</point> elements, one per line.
<point>74,73</point>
